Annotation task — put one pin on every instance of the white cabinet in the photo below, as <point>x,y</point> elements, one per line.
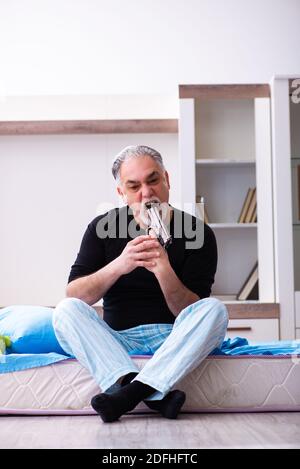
<point>225,149</point>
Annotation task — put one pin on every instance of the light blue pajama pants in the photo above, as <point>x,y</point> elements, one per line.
<point>177,348</point>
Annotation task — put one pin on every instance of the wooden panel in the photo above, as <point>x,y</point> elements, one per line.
<point>89,127</point>
<point>253,310</point>
<point>224,91</point>
<point>242,310</point>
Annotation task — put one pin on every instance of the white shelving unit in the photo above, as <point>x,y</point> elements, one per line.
<point>224,149</point>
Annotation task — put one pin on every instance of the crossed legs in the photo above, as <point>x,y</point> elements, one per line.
<point>197,330</point>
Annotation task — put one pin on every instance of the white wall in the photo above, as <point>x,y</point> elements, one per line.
<point>51,187</point>
<point>143,46</point>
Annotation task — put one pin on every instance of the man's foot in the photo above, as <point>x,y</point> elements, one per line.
<point>170,405</point>
<point>110,407</point>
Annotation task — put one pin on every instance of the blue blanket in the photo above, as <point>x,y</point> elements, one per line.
<point>23,361</point>
<point>237,346</point>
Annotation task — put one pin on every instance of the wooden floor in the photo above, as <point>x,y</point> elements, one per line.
<point>252,430</point>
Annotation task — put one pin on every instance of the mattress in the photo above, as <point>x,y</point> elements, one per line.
<point>220,384</point>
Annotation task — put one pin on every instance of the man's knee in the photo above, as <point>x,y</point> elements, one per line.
<point>211,308</point>
<point>216,309</point>
<point>219,311</point>
<point>66,309</point>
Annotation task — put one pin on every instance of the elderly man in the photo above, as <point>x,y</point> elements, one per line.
<point>155,300</point>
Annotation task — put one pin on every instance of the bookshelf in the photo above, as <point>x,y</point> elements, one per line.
<point>225,149</point>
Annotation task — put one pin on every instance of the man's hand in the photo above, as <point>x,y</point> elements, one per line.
<point>161,263</point>
<point>143,251</point>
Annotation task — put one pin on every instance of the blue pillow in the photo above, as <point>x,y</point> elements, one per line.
<point>30,329</point>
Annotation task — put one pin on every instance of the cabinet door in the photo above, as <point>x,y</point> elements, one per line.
<point>255,330</point>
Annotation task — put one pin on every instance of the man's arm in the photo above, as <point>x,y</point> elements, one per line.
<point>197,275</point>
<point>176,294</point>
<point>92,288</point>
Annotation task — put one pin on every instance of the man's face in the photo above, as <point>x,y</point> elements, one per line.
<point>142,180</point>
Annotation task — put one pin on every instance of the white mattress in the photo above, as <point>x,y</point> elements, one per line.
<point>219,384</point>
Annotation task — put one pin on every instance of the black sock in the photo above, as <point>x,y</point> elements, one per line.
<point>111,406</point>
<point>170,405</point>
<point>128,378</point>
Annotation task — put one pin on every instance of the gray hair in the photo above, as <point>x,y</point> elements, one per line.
<point>134,151</point>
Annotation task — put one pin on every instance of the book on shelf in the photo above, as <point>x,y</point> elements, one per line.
<point>249,290</point>
<point>245,206</point>
<point>251,209</point>
<point>201,209</point>
<point>254,216</point>
<point>248,212</point>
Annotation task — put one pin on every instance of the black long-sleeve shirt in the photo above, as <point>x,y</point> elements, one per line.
<point>136,298</point>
